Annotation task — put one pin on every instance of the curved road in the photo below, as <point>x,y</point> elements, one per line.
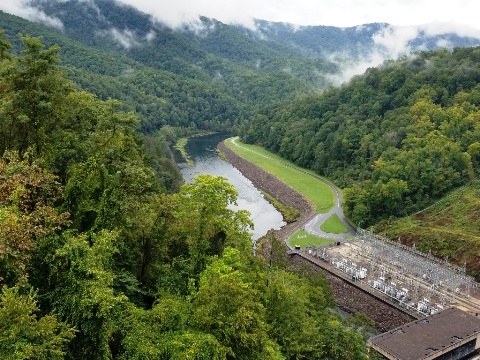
<point>312,226</point>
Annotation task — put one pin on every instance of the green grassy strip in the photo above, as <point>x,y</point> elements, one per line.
<point>182,143</point>
<point>289,213</point>
<point>313,189</point>
<point>333,225</point>
<point>304,239</point>
<point>180,146</point>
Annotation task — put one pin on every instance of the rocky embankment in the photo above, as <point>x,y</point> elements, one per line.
<point>349,298</point>
<point>271,185</point>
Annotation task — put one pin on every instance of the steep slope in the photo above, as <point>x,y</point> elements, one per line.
<point>449,229</point>
<point>209,43</point>
<point>159,96</point>
<point>359,41</point>
<point>398,137</point>
<point>209,49</point>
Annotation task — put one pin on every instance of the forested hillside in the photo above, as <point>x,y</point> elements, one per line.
<point>448,229</point>
<point>99,260</point>
<point>206,75</point>
<point>397,138</point>
<point>105,255</point>
<point>169,79</point>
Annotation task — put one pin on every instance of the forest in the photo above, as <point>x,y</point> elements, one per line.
<point>182,85</point>
<point>397,139</point>
<point>104,254</point>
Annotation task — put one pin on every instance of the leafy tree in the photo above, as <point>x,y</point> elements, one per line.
<point>81,292</point>
<point>226,305</point>
<point>164,334</point>
<point>23,334</point>
<point>34,90</point>
<point>5,46</point>
<point>342,343</point>
<point>474,152</point>
<point>293,324</point>
<point>203,226</point>
<point>28,195</point>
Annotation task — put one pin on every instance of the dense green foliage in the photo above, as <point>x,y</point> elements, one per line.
<point>397,138</point>
<point>170,79</point>
<point>101,257</point>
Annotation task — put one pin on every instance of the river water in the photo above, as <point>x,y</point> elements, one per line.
<point>203,151</point>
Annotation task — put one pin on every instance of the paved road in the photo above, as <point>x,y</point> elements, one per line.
<point>313,225</point>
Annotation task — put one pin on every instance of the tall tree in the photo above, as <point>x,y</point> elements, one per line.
<point>35,88</point>
<point>28,199</point>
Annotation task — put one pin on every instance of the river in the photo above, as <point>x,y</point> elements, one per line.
<point>203,151</point>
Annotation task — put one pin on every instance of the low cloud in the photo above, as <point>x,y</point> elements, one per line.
<point>151,35</point>
<point>350,68</point>
<point>23,9</point>
<point>125,38</point>
<point>180,13</point>
<point>393,42</point>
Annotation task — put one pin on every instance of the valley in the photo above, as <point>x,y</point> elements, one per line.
<point>110,249</point>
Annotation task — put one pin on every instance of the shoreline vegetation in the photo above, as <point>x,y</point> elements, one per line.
<point>288,201</point>
<point>275,188</point>
<point>180,147</point>
<point>290,214</point>
<point>295,178</point>
<point>181,143</point>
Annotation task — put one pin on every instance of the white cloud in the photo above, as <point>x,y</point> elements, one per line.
<point>351,68</point>
<point>150,36</point>
<point>393,42</point>
<point>343,13</point>
<point>22,9</point>
<point>440,27</point>
<point>125,38</point>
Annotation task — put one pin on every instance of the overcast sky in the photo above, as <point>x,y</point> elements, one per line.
<point>318,12</point>
<point>341,13</point>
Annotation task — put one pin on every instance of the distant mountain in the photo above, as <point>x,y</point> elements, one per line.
<point>212,46</point>
<point>304,51</point>
<point>164,84</point>
<point>358,41</point>
<point>207,75</point>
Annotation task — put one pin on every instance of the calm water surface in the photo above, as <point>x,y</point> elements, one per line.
<point>203,152</point>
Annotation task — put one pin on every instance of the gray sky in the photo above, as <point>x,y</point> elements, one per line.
<point>343,13</point>
<point>317,12</point>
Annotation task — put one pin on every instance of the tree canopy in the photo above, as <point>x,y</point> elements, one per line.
<point>103,255</point>
<point>397,138</point>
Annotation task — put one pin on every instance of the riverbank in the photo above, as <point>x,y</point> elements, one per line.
<point>347,297</point>
<point>181,143</point>
<point>274,187</point>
